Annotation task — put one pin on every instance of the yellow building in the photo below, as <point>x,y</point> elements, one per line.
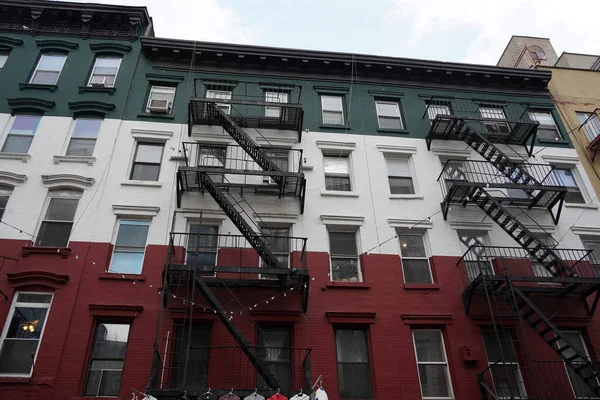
<point>575,87</point>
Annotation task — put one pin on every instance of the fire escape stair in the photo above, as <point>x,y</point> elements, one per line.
<point>580,364</point>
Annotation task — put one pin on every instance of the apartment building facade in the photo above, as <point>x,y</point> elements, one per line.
<point>185,217</point>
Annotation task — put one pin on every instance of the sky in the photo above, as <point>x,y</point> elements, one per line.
<point>472,31</point>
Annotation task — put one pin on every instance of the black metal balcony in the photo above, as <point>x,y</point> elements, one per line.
<point>498,122</point>
<point>195,369</point>
<point>528,185</point>
<point>258,105</point>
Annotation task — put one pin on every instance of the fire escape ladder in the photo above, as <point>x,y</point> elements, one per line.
<point>578,363</point>
<point>538,250</point>
<point>245,229</point>
<point>237,334</point>
<point>246,142</point>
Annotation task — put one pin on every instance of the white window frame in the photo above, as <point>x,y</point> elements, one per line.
<point>134,162</point>
<point>277,97</point>
<point>448,375</point>
<point>339,156</point>
<point>560,344</point>
<point>15,304</point>
<point>594,240</point>
<point>9,133</point>
<point>576,179</point>
<point>340,111</point>
<point>423,237</point>
<point>5,191</point>
<point>37,69</point>
<point>115,246</point>
<point>59,194</point>
<point>433,110</point>
<point>483,239</point>
<point>521,386</point>
<point>82,138</point>
<point>213,223</point>
<point>591,128</point>
<point>96,63</point>
<point>223,95</point>
<point>269,227</point>
<point>533,115</point>
<point>355,232</point>
<point>411,174</point>
<point>397,115</point>
<point>166,90</point>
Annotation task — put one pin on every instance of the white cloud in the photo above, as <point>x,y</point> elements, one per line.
<point>571,25</point>
<point>202,20</point>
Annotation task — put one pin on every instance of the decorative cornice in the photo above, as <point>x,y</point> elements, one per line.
<point>11,178</point>
<point>9,41</point>
<point>165,78</point>
<point>586,230</point>
<point>394,149</point>
<point>410,223</point>
<point>277,141</point>
<point>427,319</point>
<point>145,211</point>
<point>334,145</point>
<point>110,47</point>
<point>342,220</point>
<point>386,93</point>
<point>449,152</point>
<point>346,317</point>
<point>23,104</point>
<point>36,277</point>
<point>277,217</point>
<point>56,44</point>
<point>331,89</point>
<point>75,159</point>
<point>90,106</point>
<point>197,214</point>
<point>161,136</point>
<point>471,225</point>
<point>61,180</point>
<point>560,159</point>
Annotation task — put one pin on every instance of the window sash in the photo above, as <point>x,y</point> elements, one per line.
<point>350,387</point>
<point>332,110</point>
<point>152,160</point>
<point>433,110</point>
<point>40,69</point>
<point>3,58</point>
<point>492,112</point>
<point>591,127</point>
<point>388,115</point>
<point>161,93</point>
<point>109,71</point>
<point>426,387</point>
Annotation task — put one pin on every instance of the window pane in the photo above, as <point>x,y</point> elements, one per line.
<point>17,144</point>
<point>566,177</point>
<point>87,128</point>
<point>25,124</point>
<point>401,185</point>
<point>127,262</point>
<point>434,110</point>
<point>416,271</point>
<point>390,122</point>
<point>45,77</point>
<point>343,243</point>
<point>32,318</point>
<point>331,103</point>
<point>212,156</point>
<point>499,351</point>
<point>104,378</point>
<point>276,97</point>
<point>203,237</point>
<point>51,62</point>
<point>149,153</point>
<point>15,357</point>
<point>574,196</point>
<point>354,381</point>
<point>145,172</point>
<point>132,233</point>
<point>429,346</point>
<point>547,133</point>
<point>544,118</point>
<point>3,58</point>
<point>351,345</point>
<point>344,269</point>
<point>104,62</point>
<point>81,147</point>
<point>412,246</point>
<point>34,298</point>
<point>387,109</point>
<point>54,234</point>
<point>507,381</point>
<point>277,341</point>
<point>61,209</point>
<point>397,167</point>
<point>492,112</point>
<point>434,381</point>
<point>336,165</point>
<point>333,118</point>
<point>591,127</point>
<point>340,183</point>
<point>111,341</point>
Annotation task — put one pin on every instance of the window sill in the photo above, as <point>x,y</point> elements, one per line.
<point>91,89</point>
<point>577,205</point>
<point>326,126</point>
<point>155,115</point>
<point>338,193</point>
<point>117,276</point>
<point>61,251</point>
<point>34,86</point>
<point>550,141</point>
<point>177,158</point>
<point>15,156</point>
<point>401,131</point>
<point>142,183</point>
<point>407,196</point>
<point>75,159</point>
<point>15,379</point>
<point>421,286</point>
<point>347,285</point>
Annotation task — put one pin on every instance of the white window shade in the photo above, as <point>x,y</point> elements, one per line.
<point>334,165</point>
<point>331,103</point>
<point>398,167</point>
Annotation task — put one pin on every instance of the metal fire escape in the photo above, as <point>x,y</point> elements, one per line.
<point>234,176</point>
<point>525,285</point>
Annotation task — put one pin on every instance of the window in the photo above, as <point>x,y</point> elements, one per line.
<point>432,364</point>
<point>547,129</point>
<point>548,240</point>
<point>202,246</point>
<point>493,117</point>
<point>477,261</point>
<point>48,69</point>
<point>213,158</point>
<point>333,110</point>
<point>160,99</point>
<point>352,352</point>
<point>21,134</point>
<point>399,177</point>
<point>195,349</point>
<point>537,53</point>
<point>146,162</point>
<point>105,71</point>
<point>591,125</point>
<point>274,350</point>
<point>128,255</point>
<point>83,139</point>
<point>433,110</point>
<point>3,58</point>
<point>592,243</point>
<point>280,158</point>
<point>415,264</point>
<point>23,332</point>
<point>388,115</point>
<point>504,365</point>
<point>566,176</point>
<point>107,360</point>
<point>278,241</point>
<point>5,192</point>
<point>581,388</point>
<point>344,257</point>
<point>337,173</point>
<point>58,221</point>
<point>220,95</point>
<point>275,97</point>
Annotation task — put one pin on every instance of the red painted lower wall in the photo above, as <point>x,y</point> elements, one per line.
<point>84,293</point>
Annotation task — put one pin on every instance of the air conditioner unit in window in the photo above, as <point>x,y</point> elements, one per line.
<point>98,81</point>
<point>159,106</point>
<point>497,128</point>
